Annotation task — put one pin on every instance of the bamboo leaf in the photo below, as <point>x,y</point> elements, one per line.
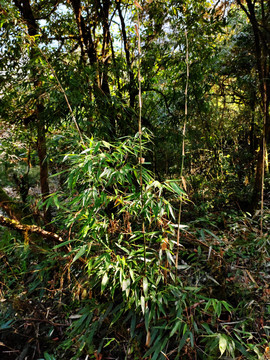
<point>143,304</point>
<point>145,286</point>
<point>222,344</point>
<point>183,341</point>
<point>80,253</point>
<point>104,282</point>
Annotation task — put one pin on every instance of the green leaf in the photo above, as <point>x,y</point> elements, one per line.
<point>207,328</point>
<point>145,286</point>
<point>183,341</point>
<point>222,344</point>
<point>175,328</point>
<point>156,346</point>
<point>6,325</point>
<point>241,348</point>
<point>108,343</point>
<point>227,306</point>
<point>133,326</point>
<point>56,201</point>
<point>63,244</point>
<point>218,308</point>
<point>48,357</point>
<point>175,188</point>
<point>191,339</point>
<point>143,304</point>
<point>126,285</point>
<point>104,282</point>
<point>147,319</point>
<point>80,253</point>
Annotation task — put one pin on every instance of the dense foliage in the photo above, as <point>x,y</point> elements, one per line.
<point>134,206</point>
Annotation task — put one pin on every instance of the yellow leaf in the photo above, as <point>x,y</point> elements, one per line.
<point>148,339</point>
<point>184,183</point>
<point>267,352</point>
<point>164,244</point>
<point>222,344</point>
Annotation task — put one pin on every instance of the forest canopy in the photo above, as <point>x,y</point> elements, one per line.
<point>134,180</point>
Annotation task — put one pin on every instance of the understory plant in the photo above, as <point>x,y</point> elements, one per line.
<point>110,289</point>
<point>121,228</point>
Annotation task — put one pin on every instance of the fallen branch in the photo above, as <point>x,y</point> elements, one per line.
<point>32,229</point>
<point>42,320</point>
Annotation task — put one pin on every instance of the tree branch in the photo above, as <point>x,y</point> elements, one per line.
<point>164,97</point>
<point>33,229</point>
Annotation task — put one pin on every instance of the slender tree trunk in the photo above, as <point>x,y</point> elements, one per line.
<point>258,178</point>
<point>104,80</point>
<point>260,26</point>
<point>252,128</point>
<point>89,46</point>
<point>32,26</point>
<point>132,88</point>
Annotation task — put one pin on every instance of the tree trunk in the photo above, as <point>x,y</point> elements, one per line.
<point>33,30</point>
<point>260,28</point>
<point>89,46</point>
<point>257,188</point>
<point>132,88</point>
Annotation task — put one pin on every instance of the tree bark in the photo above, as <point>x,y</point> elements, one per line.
<point>29,229</point>
<point>85,37</point>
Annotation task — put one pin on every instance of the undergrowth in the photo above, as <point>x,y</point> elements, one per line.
<point>110,290</point>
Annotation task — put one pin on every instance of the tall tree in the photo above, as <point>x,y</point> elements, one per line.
<point>89,22</point>
<point>258,13</point>
<point>29,18</point>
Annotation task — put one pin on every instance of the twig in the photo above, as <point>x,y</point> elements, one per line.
<point>43,320</point>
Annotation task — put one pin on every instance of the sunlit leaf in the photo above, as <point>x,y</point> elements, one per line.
<point>104,282</point>
<point>145,286</point>
<point>80,253</point>
<point>222,344</point>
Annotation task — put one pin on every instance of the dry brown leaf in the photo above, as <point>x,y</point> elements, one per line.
<point>184,183</point>
<point>267,352</point>
<point>148,339</point>
<point>164,244</point>
<point>251,277</point>
<point>138,5</point>
<point>97,355</point>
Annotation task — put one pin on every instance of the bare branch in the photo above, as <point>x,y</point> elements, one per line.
<point>33,229</point>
